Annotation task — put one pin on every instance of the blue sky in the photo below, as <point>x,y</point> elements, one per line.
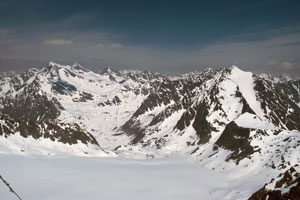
<point>165,36</point>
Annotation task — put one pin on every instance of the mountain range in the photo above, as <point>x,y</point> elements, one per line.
<point>227,119</point>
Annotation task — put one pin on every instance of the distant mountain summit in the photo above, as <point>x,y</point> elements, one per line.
<point>228,119</point>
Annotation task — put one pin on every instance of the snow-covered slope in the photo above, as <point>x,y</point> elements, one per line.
<point>96,103</point>
<point>228,119</point>
<point>78,178</point>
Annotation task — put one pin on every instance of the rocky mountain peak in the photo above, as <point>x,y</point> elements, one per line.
<point>77,67</point>
<point>106,70</point>
<point>226,117</point>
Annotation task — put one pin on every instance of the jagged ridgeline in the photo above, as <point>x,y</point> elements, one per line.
<point>29,111</point>
<point>224,118</point>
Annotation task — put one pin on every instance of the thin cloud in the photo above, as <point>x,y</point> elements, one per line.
<point>101,45</point>
<point>273,62</point>
<point>96,48</point>
<point>285,65</point>
<point>116,46</point>
<point>274,54</point>
<point>113,45</point>
<point>57,42</point>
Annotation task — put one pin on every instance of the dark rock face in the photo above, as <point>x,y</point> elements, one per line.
<point>290,89</point>
<point>246,107</point>
<point>181,93</point>
<point>294,193</point>
<point>30,105</point>
<point>65,133</point>
<point>201,125</point>
<point>281,110</point>
<point>165,93</point>
<point>262,194</point>
<point>133,129</point>
<point>165,114</point>
<point>63,88</point>
<point>84,97</point>
<point>288,179</point>
<point>185,119</point>
<point>270,195</point>
<point>236,139</point>
<point>115,101</point>
<point>32,113</point>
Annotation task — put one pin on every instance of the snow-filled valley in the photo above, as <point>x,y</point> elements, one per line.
<point>69,133</point>
<point>77,178</point>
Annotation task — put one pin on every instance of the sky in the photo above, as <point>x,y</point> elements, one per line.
<point>163,36</point>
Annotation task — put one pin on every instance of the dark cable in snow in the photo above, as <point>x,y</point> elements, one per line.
<point>10,189</point>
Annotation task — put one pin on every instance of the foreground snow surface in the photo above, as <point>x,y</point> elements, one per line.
<point>61,178</point>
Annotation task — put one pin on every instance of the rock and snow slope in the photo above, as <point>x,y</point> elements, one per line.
<point>228,119</point>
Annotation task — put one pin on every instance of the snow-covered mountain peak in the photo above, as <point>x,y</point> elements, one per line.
<point>72,74</point>
<point>285,77</point>
<point>235,67</point>
<point>107,70</point>
<point>54,64</point>
<point>76,68</point>
<point>245,82</point>
<point>71,68</point>
<point>79,68</point>
<point>227,118</point>
<point>236,70</point>
<point>282,78</point>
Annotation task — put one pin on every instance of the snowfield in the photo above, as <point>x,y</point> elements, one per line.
<point>61,178</point>
<point>69,133</point>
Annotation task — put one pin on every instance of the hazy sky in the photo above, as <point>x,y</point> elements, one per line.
<point>164,36</point>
